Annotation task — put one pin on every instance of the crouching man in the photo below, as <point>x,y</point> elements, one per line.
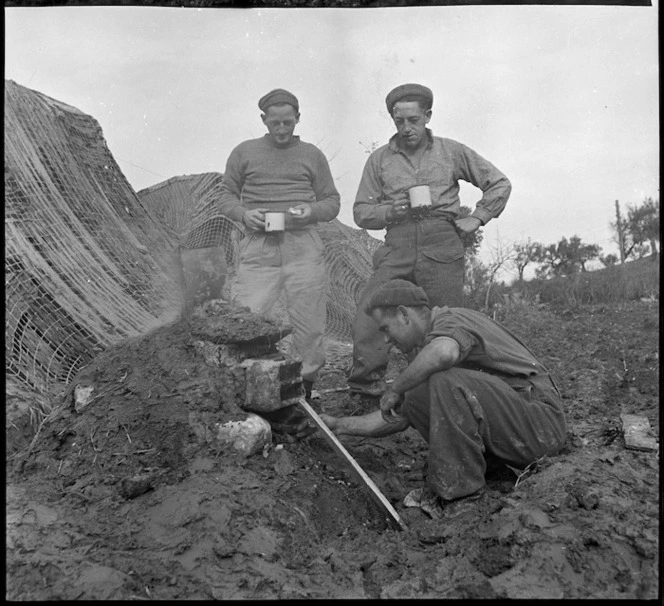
<point>473,390</point>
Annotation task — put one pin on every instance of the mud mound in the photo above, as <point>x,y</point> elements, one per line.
<point>144,407</point>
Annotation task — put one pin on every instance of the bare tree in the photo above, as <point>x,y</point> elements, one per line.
<point>638,233</point>
<point>566,258</point>
<point>643,223</point>
<point>500,255</point>
<point>620,227</point>
<point>525,253</point>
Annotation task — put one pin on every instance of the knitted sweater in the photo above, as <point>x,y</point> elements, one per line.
<point>261,175</point>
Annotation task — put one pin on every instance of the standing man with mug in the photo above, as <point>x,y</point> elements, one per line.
<point>423,240</point>
<point>280,173</point>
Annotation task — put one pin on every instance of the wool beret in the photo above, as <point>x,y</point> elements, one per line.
<point>407,90</point>
<point>278,95</point>
<point>395,293</point>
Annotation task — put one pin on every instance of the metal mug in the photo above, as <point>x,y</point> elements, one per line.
<point>274,221</point>
<point>420,196</point>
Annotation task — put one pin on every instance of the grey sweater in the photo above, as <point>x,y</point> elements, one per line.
<point>262,175</point>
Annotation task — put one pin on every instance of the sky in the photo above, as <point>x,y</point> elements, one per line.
<point>563,99</point>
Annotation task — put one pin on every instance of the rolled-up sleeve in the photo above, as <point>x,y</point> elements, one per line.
<point>368,210</point>
<point>328,202</point>
<point>495,186</point>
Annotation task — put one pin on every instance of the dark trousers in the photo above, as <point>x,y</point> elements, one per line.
<point>465,415</point>
<point>428,253</point>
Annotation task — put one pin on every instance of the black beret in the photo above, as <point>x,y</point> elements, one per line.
<point>278,95</point>
<point>407,90</point>
<point>395,293</point>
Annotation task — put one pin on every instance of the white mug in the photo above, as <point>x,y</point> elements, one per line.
<point>274,221</point>
<point>420,196</point>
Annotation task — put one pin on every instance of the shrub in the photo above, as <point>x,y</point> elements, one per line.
<point>634,280</point>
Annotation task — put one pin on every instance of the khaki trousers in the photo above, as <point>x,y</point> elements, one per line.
<point>290,262</point>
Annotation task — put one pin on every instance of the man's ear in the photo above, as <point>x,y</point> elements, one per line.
<point>403,310</point>
<point>427,116</point>
<point>263,118</point>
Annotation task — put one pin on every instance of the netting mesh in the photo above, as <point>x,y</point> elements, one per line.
<point>85,264</point>
<point>348,259</point>
<point>89,262</point>
<point>187,206</point>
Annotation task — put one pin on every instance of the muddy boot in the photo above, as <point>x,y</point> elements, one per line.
<point>430,503</point>
<point>427,500</point>
<point>467,504</point>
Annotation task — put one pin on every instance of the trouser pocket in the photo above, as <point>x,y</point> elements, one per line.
<point>442,245</point>
<point>262,250</point>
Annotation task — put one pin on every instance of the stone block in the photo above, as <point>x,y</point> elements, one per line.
<point>82,396</point>
<point>271,383</point>
<point>636,430</point>
<point>247,437</point>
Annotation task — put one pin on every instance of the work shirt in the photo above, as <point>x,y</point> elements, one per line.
<point>389,173</point>
<point>487,346</point>
<point>260,174</point>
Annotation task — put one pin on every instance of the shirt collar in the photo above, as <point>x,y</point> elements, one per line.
<point>394,141</point>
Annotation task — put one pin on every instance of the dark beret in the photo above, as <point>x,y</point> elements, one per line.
<point>278,95</point>
<point>407,90</point>
<point>395,293</point>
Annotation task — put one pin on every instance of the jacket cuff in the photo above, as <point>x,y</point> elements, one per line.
<point>316,212</point>
<point>237,213</point>
<point>482,214</point>
<point>384,210</point>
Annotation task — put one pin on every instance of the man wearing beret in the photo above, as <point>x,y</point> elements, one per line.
<point>421,245</point>
<point>279,172</point>
<point>472,389</point>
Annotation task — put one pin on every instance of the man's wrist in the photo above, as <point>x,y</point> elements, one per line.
<point>391,390</point>
<point>481,215</point>
<point>339,426</point>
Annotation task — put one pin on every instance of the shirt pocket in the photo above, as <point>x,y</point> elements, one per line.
<point>397,177</point>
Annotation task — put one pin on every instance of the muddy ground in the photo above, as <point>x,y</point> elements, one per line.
<point>121,501</point>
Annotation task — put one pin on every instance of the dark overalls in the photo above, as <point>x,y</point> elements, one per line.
<point>499,401</point>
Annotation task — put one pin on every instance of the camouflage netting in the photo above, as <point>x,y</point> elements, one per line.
<point>90,262</point>
<point>187,205</point>
<point>86,264</point>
